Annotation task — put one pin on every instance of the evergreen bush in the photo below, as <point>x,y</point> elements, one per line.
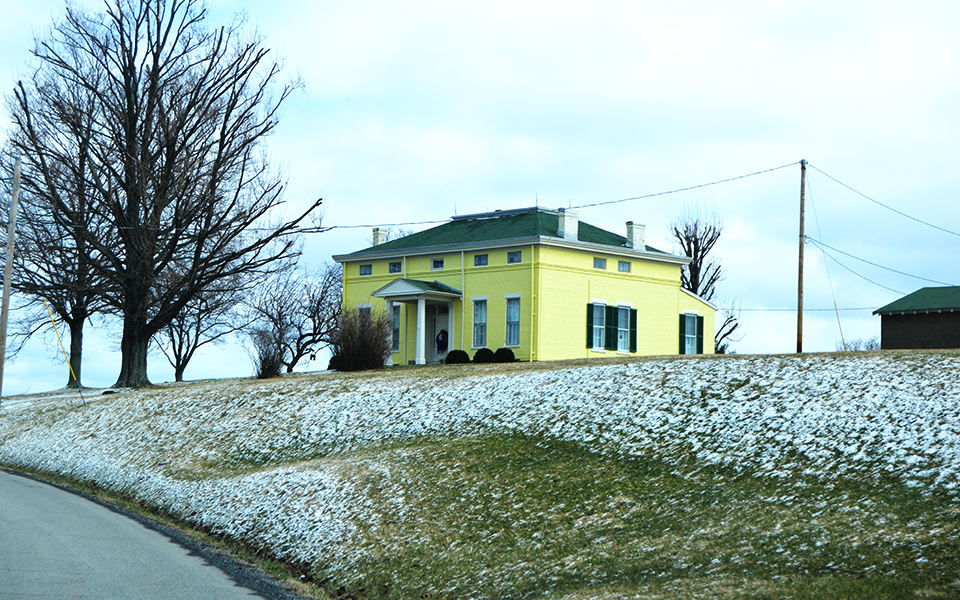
<point>484,355</point>
<point>457,357</point>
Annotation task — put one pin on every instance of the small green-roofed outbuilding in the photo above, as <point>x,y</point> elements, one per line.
<point>925,300</point>
<point>929,318</point>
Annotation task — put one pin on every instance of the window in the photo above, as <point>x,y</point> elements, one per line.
<point>363,310</point>
<point>598,312</point>
<point>514,257</point>
<point>623,329</point>
<point>479,260</point>
<point>623,266</point>
<point>479,323</point>
<point>396,267</point>
<point>437,264</point>
<point>691,334</point>
<point>599,263</point>
<point>513,322</point>
<point>611,327</point>
<point>396,328</point>
<point>366,269</point>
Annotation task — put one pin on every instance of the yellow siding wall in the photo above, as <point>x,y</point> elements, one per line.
<point>690,304</point>
<point>495,280</point>
<point>570,282</point>
<point>555,285</point>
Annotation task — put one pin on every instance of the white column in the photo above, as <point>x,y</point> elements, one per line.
<point>420,356</point>
<point>450,325</point>
<point>389,362</point>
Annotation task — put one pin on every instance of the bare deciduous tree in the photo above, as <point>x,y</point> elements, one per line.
<point>726,333</point>
<point>858,345</point>
<point>697,235</point>
<point>54,264</point>
<point>297,313</point>
<point>208,318</point>
<point>175,166</point>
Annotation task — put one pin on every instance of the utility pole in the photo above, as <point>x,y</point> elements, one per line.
<point>803,185</point>
<point>8,271</point>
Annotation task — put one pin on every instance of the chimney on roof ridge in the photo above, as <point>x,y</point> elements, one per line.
<point>379,236</point>
<point>569,224</point>
<point>636,236</point>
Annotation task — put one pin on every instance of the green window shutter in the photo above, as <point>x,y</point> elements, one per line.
<point>683,333</point>
<point>590,326</point>
<point>610,328</point>
<point>699,335</point>
<point>633,330</point>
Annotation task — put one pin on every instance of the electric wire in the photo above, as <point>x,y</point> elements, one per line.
<point>890,208</point>
<point>686,189</point>
<point>826,265</point>
<point>827,254</point>
<point>805,309</point>
<point>604,203</point>
<point>863,260</point>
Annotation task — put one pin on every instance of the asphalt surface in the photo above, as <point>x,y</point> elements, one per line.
<point>56,543</point>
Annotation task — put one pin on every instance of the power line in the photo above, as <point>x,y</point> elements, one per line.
<point>693,187</point>
<point>890,208</point>
<point>795,310</point>
<point>686,189</point>
<point>827,254</point>
<point>387,224</point>
<point>821,244</point>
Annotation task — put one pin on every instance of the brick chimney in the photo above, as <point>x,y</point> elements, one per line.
<point>379,236</point>
<point>636,236</point>
<point>569,223</point>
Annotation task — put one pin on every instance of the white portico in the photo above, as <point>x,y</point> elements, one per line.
<point>435,314</point>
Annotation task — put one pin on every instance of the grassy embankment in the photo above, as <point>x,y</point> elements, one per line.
<point>512,515</point>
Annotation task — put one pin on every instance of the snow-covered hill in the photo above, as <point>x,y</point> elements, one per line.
<point>281,463</point>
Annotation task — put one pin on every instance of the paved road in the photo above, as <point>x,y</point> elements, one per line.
<point>56,544</point>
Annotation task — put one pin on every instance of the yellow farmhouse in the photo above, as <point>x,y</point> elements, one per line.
<point>535,280</point>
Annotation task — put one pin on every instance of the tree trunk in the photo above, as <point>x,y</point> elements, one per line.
<point>178,371</point>
<point>133,355</point>
<point>76,354</point>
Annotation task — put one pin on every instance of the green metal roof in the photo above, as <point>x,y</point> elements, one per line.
<point>431,286</point>
<point>499,225</point>
<point>923,300</point>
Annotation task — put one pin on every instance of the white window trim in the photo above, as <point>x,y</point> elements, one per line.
<point>624,262</point>
<point>691,313</point>
<point>396,310</point>
<point>362,274</point>
<point>433,268</point>
<point>474,300</point>
<point>359,306</point>
<point>483,265</point>
<point>598,301</point>
<point>599,348</point>
<point>627,306</point>
<point>513,297</point>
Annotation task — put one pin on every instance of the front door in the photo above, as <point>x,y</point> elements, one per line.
<point>438,333</point>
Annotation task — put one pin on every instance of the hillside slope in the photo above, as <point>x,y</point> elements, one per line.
<point>325,470</point>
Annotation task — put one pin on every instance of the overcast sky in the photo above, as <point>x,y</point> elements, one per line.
<point>416,111</point>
